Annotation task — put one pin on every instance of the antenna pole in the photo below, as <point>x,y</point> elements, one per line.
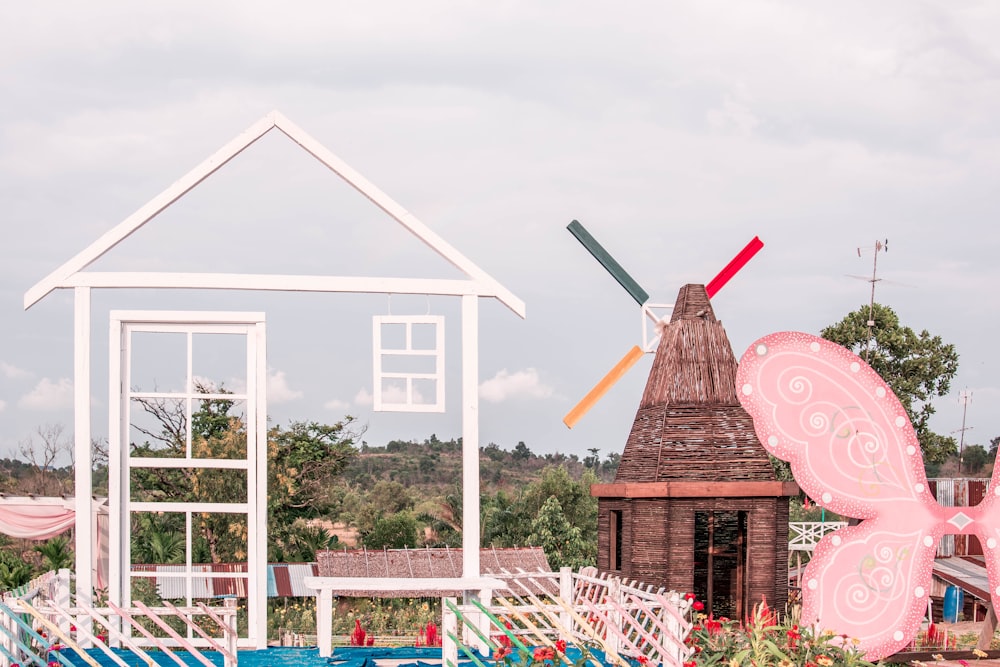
<point>871,303</point>
<point>963,398</point>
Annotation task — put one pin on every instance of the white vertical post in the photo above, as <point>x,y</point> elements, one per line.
<point>470,436</point>
<point>614,593</point>
<point>257,570</point>
<point>83,480</point>
<point>449,629</point>
<point>61,599</point>
<point>470,447</point>
<point>566,593</point>
<point>231,632</point>
<point>117,514</point>
<point>324,621</point>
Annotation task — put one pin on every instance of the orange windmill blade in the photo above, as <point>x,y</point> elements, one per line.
<point>648,310</point>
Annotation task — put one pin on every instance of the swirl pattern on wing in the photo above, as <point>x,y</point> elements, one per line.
<point>871,583</point>
<point>846,435</point>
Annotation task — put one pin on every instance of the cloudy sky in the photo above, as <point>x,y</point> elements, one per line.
<point>674,131</point>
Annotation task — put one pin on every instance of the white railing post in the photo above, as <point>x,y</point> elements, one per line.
<point>566,593</point>
<point>324,621</point>
<point>483,623</point>
<point>449,629</point>
<point>61,599</point>
<point>614,593</point>
<point>232,633</point>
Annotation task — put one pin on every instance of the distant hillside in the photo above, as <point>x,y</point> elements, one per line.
<point>433,467</point>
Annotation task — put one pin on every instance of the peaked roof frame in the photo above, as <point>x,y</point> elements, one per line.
<point>73,274</point>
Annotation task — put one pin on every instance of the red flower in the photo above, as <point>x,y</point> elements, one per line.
<point>689,596</point>
<point>697,605</point>
<point>561,646</point>
<point>358,636</point>
<point>432,635</point>
<point>501,653</point>
<point>642,659</point>
<point>543,653</point>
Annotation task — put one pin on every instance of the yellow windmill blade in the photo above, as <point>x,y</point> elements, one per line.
<point>601,388</point>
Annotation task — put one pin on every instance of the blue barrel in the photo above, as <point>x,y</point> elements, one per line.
<point>954,599</point>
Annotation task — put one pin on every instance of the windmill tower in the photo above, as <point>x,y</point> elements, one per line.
<point>695,505</point>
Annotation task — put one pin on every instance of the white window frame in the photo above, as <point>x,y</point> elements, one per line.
<point>122,325</point>
<point>379,353</point>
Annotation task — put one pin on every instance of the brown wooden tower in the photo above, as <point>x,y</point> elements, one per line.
<point>695,505</point>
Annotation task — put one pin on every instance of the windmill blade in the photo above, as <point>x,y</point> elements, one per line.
<point>608,262</point>
<point>641,297</point>
<point>734,266</point>
<point>602,387</point>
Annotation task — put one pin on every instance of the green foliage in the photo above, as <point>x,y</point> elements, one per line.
<point>974,457</point>
<point>299,542</point>
<point>56,553</point>
<point>14,571</point>
<point>303,461</point>
<point>395,531</point>
<point>521,452</point>
<point>763,640</point>
<point>562,542</point>
<point>918,367</point>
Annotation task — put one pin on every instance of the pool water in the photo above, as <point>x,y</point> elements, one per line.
<point>308,657</point>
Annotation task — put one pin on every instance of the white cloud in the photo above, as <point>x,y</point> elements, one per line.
<point>278,390</point>
<point>519,384</point>
<point>337,404</point>
<point>363,397</point>
<point>13,372</point>
<point>3,405</point>
<point>49,395</point>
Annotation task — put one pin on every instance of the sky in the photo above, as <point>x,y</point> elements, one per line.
<point>673,131</point>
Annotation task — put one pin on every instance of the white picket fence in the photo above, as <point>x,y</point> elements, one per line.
<point>624,619</point>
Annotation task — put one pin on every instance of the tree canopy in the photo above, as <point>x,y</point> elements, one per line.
<point>918,367</point>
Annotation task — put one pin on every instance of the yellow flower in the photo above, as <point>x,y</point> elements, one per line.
<point>938,657</point>
<point>786,663</point>
<point>979,654</point>
<point>734,663</point>
<point>824,660</point>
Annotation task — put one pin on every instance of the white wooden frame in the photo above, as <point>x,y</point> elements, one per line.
<point>435,354</point>
<point>72,275</point>
<point>122,325</point>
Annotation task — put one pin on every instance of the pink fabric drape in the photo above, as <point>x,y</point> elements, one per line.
<point>35,522</point>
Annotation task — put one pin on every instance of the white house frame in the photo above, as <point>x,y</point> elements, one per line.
<point>476,284</point>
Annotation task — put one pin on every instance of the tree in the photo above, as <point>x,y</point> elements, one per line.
<point>974,457</point>
<point>14,572</point>
<point>42,453</point>
<point>56,553</point>
<point>396,531</point>
<point>521,452</point>
<point>918,367</point>
<point>562,542</point>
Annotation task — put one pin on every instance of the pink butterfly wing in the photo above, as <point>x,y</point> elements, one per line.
<point>824,410</point>
<point>870,582</point>
<point>852,448</point>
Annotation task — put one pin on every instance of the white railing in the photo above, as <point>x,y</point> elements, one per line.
<point>624,619</point>
<point>805,535</point>
<point>38,625</point>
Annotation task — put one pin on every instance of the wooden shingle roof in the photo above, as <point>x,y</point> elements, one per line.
<point>423,563</point>
<point>690,425</point>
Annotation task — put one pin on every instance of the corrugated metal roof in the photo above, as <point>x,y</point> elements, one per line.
<point>283,580</point>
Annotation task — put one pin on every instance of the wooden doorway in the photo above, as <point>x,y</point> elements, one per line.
<point>720,562</point>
